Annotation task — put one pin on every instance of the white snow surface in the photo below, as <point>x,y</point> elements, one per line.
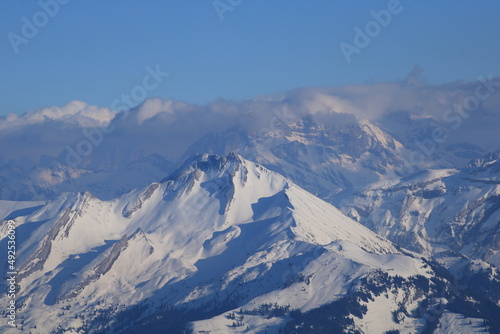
<point>219,226</point>
<point>458,323</point>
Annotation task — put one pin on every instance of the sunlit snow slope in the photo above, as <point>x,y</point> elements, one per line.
<point>220,234</point>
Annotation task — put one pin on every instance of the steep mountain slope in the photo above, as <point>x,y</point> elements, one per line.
<point>452,215</point>
<point>219,235</point>
<point>321,159</point>
<point>435,209</point>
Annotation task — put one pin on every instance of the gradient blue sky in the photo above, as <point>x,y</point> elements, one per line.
<point>96,50</point>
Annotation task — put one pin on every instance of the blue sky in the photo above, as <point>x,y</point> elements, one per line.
<point>95,51</point>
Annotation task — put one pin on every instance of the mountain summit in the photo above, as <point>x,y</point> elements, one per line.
<point>219,236</point>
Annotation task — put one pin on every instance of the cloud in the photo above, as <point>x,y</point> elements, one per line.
<point>75,112</point>
<point>168,110</point>
<point>168,127</point>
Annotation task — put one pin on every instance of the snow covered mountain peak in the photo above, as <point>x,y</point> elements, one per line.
<point>321,157</point>
<point>220,233</point>
<point>484,161</point>
<point>214,165</point>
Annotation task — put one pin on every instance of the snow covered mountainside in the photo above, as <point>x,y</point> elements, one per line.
<point>449,214</point>
<point>435,210</point>
<point>222,245</point>
<point>321,159</point>
<point>325,139</point>
<point>252,241</point>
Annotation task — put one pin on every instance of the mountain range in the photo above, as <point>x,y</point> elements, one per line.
<point>302,213</point>
<point>226,241</point>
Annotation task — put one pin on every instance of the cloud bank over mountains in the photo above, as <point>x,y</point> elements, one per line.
<point>168,127</point>
<point>75,112</point>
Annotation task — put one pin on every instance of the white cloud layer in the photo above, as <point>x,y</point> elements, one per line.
<point>168,127</point>
<point>75,112</point>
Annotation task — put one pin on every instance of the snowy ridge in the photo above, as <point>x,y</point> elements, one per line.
<point>220,228</point>
<point>322,160</point>
<point>434,210</point>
